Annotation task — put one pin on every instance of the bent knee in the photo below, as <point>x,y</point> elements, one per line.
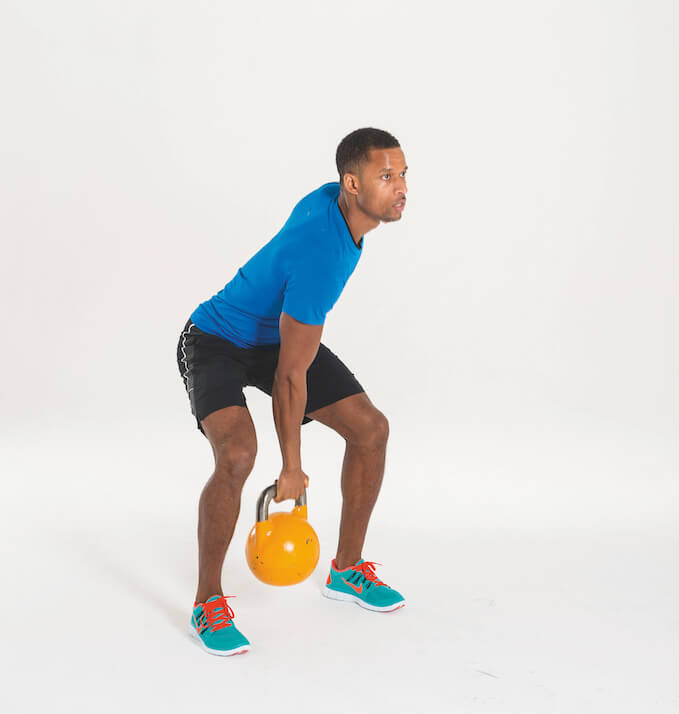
<point>373,430</point>
<point>235,461</point>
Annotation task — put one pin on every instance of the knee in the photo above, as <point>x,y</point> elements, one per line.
<point>235,462</point>
<point>373,430</point>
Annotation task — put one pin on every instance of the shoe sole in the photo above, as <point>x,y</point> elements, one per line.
<point>348,597</point>
<point>222,653</point>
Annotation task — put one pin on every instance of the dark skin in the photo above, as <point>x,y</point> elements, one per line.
<point>232,435</point>
<point>367,198</point>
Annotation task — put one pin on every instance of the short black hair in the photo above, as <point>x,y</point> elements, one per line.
<point>353,150</point>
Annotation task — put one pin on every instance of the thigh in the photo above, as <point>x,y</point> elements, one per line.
<point>212,374</point>
<point>337,399</point>
<point>328,381</point>
<point>356,419</point>
<point>231,433</point>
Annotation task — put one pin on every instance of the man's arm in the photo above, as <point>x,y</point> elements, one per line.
<point>299,346</point>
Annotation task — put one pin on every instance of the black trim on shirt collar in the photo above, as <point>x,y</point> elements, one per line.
<point>360,243</point>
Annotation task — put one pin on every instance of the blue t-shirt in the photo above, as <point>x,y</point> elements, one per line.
<point>301,271</point>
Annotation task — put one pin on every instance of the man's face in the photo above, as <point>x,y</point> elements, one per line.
<point>382,184</point>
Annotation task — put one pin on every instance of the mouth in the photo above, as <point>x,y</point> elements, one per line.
<point>400,206</point>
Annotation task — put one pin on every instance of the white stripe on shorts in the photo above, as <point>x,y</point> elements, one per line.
<point>185,376</point>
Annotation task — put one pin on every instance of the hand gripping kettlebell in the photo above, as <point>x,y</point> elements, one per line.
<point>282,548</point>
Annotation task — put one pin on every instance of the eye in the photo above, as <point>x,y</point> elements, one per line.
<point>383,175</point>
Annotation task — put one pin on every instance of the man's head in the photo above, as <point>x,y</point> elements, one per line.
<point>372,172</point>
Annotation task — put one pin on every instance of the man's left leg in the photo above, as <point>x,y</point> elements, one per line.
<point>365,430</point>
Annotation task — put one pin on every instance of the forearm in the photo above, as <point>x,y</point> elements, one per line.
<point>289,397</point>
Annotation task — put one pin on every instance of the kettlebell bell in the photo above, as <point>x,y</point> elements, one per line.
<point>282,548</point>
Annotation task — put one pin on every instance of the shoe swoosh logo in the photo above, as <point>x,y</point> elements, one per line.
<point>359,589</point>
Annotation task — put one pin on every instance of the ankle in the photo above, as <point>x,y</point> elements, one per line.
<point>344,563</point>
<point>203,595</point>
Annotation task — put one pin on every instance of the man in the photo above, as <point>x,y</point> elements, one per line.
<point>264,329</point>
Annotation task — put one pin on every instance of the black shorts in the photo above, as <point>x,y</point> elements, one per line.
<point>215,370</point>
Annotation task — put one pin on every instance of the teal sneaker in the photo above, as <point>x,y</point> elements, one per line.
<point>358,583</point>
<point>212,625</point>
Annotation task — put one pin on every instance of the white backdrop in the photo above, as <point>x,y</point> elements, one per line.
<point>517,326</point>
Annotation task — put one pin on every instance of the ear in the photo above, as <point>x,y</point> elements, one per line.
<point>350,182</point>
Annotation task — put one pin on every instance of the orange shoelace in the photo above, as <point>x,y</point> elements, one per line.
<point>367,569</point>
<point>215,620</point>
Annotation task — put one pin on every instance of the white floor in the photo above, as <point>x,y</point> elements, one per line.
<point>99,567</point>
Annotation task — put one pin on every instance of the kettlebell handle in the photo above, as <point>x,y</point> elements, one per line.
<point>265,498</point>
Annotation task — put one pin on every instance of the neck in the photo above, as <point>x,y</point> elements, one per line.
<point>359,223</point>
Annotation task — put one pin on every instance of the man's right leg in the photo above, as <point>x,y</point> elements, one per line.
<point>232,436</point>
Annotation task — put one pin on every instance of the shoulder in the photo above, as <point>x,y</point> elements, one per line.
<point>314,204</point>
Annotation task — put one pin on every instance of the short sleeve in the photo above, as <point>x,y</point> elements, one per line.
<point>310,292</point>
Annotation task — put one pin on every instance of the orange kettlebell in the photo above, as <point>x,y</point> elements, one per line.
<point>282,548</point>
